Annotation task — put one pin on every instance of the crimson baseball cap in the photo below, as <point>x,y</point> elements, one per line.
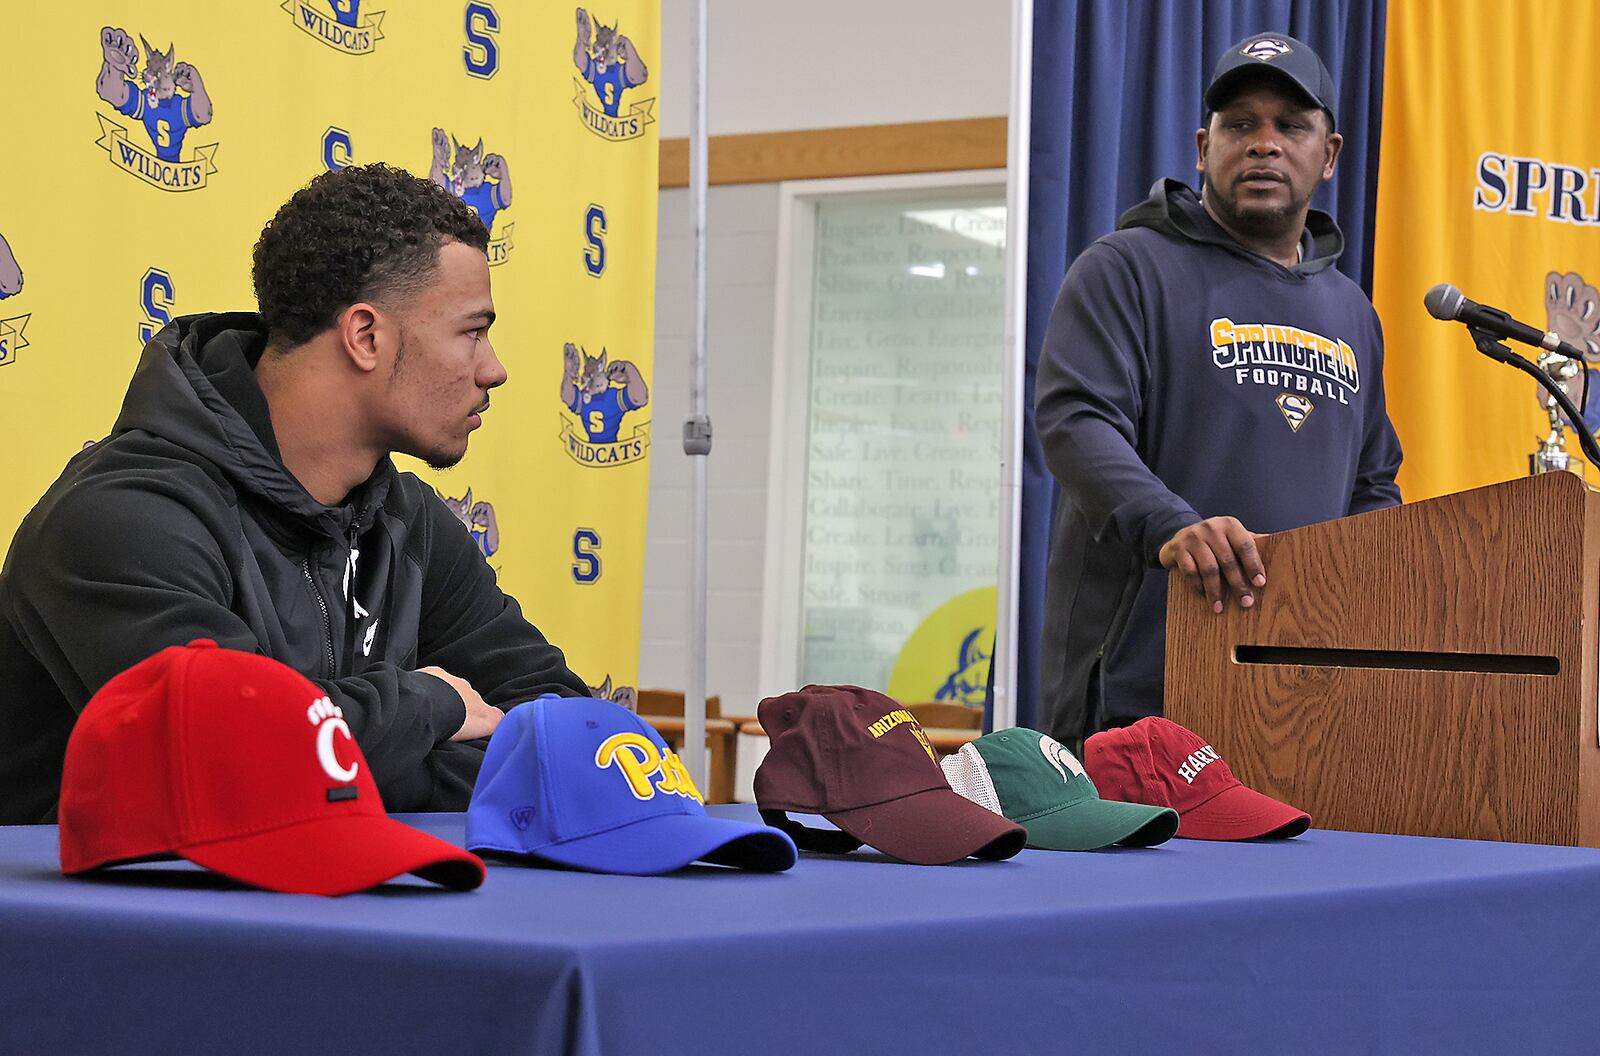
<point>1280,57</point>
<point>1156,761</point>
<point>862,761</point>
<point>586,783</point>
<point>239,764</point>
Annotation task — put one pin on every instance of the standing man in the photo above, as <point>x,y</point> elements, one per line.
<point>246,495</point>
<point>1207,374</point>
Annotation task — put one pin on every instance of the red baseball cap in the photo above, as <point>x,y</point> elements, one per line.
<point>239,764</point>
<point>1158,762</point>
<point>862,761</point>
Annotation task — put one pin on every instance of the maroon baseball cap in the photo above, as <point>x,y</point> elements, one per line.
<point>1158,762</point>
<point>862,761</point>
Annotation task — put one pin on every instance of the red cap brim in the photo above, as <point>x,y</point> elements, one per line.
<point>935,827</point>
<point>337,856</point>
<point>1241,813</point>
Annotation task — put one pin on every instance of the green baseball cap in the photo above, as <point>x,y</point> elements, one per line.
<point>1034,781</point>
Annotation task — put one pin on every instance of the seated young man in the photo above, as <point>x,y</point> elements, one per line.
<point>246,495</point>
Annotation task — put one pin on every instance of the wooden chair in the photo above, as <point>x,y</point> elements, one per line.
<point>663,709</point>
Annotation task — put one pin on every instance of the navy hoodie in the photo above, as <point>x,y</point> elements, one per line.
<point>1184,377</point>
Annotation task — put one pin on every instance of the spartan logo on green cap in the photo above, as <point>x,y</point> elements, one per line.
<point>1036,782</point>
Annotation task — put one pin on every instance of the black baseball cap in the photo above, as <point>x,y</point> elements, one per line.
<point>1272,55</point>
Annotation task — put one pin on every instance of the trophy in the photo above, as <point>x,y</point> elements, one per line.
<point>1551,454</point>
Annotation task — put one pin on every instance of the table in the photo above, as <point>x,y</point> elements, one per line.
<point>1333,942</point>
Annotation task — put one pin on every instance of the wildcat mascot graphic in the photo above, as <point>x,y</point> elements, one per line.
<point>479,519</point>
<point>601,393</point>
<point>11,339</point>
<point>152,98</point>
<point>610,65</point>
<point>482,181</point>
<point>346,32</point>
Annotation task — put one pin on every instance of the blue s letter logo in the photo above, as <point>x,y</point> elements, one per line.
<point>594,230</point>
<point>586,562</point>
<point>482,53</point>
<point>155,297</point>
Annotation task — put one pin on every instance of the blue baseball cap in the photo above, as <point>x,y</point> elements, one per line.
<point>586,783</point>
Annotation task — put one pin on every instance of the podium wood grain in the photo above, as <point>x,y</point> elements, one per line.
<point>1332,693</point>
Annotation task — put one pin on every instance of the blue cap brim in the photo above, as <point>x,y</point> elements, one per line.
<point>668,842</point>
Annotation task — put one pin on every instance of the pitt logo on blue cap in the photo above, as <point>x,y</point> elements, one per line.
<point>637,757</point>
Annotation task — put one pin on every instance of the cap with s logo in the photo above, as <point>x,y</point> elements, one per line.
<point>239,764</point>
<point>1157,761</point>
<point>587,783</point>
<point>863,762</point>
<point>1033,780</point>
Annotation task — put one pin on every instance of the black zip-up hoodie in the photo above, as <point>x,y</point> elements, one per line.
<point>1184,377</point>
<point>184,524</point>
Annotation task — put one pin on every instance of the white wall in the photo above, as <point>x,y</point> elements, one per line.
<point>774,66</point>
<point>742,254</point>
<point>788,64</point>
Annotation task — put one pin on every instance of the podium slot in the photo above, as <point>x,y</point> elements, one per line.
<point>1397,660</point>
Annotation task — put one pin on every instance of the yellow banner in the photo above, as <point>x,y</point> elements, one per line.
<point>154,198</point>
<point>1489,179</point>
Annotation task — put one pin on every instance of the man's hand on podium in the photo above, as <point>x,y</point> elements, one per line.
<point>1217,557</point>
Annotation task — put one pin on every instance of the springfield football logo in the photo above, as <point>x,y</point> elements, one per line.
<point>11,339</point>
<point>479,519</point>
<point>152,98</point>
<point>601,394</point>
<point>1286,357</point>
<point>346,31</point>
<point>609,65</point>
<point>482,181</point>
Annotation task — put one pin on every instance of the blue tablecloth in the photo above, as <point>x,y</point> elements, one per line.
<point>1333,942</point>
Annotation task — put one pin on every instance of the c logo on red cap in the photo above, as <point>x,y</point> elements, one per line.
<point>328,717</point>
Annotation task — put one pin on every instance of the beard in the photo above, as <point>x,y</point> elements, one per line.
<point>1266,221</point>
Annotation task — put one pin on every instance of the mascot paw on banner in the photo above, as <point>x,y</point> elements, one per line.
<point>1572,313</point>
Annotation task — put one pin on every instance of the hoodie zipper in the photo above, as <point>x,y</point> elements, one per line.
<point>322,606</point>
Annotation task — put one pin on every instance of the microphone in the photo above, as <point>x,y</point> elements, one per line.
<point>1446,302</point>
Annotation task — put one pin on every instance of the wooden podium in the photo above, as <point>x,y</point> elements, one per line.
<point>1427,670</point>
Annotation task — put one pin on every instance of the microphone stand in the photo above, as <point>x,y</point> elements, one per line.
<point>1491,347</point>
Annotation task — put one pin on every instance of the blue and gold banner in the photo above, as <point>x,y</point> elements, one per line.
<point>174,131</point>
<point>1489,179</point>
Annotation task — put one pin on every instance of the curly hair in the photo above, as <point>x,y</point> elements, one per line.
<point>353,234</point>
